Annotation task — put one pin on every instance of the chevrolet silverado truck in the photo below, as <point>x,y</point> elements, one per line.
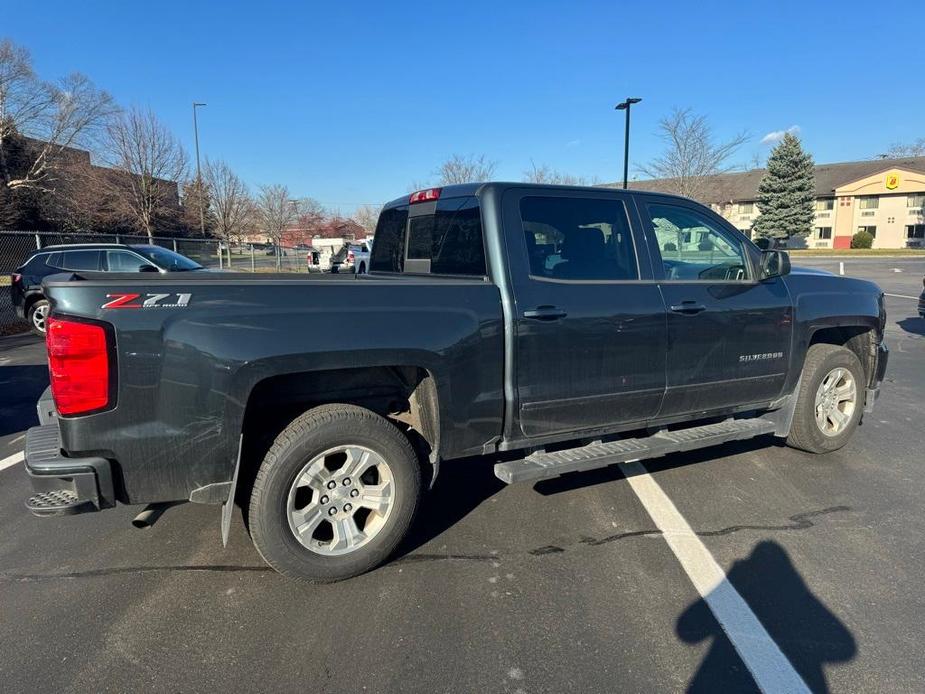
<point>546,329</point>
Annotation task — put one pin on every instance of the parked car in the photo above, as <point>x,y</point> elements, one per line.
<point>463,342</point>
<point>358,257</point>
<point>26,282</point>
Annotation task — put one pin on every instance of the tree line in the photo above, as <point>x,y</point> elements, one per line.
<point>72,159</point>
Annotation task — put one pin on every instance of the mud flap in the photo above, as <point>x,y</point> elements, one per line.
<point>228,506</point>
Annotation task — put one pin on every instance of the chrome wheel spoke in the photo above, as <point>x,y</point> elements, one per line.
<point>377,498</point>
<point>358,462</point>
<point>836,399</point>
<point>347,535</point>
<point>839,418</point>
<point>306,520</point>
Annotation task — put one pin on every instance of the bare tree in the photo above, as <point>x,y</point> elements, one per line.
<point>231,203</point>
<point>276,210</point>
<point>151,160</point>
<point>59,116</point>
<point>691,156</point>
<point>465,169</point>
<point>900,150</point>
<point>546,174</point>
<point>367,216</point>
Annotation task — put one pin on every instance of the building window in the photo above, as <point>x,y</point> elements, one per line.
<point>869,202</point>
<point>823,233</point>
<point>915,200</point>
<point>915,231</point>
<point>824,204</point>
<point>746,208</point>
<point>872,230</point>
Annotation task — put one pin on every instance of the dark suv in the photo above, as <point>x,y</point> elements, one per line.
<point>26,284</point>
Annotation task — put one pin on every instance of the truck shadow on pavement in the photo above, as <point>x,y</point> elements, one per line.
<point>21,386</point>
<point>805,630</point>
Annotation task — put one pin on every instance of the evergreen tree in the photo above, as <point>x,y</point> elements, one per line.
<point>786,192</point>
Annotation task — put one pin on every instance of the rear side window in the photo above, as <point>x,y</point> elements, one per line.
<point>80,260</point>
<point>447,240</point>
<point>389,248</point>
<point>578,239</point>
<point>123,261</point>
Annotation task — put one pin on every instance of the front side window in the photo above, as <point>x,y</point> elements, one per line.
<point>869,202</point>
<point>694,247</point>
<point>578,239</point>
<point>122,261</point>
<point>167,260</point>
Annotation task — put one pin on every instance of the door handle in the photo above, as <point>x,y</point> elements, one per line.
<point>688,307</point>
<point>545,313</point>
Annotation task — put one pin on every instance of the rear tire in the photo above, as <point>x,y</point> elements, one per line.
<point>350,518</point>
<point>830,401</point>
<point>38,317</point>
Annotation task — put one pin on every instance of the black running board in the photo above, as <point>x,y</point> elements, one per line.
<point>541,465</point>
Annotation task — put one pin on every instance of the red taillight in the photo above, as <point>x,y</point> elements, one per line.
<point>78,361</point>
<point>16,277</point>
<point>425,195</point>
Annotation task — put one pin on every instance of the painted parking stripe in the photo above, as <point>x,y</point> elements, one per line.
<point>769,667</point>
<point>11,461</point>
<point>902,296</point>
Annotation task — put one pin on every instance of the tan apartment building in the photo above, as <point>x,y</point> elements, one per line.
<point>885,197</point>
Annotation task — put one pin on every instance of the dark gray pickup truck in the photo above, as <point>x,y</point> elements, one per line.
<point>555,329</point>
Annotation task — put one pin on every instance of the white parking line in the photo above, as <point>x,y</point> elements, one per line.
<point>902,296</point>
<point>769,667</point>
<point>12,460</point>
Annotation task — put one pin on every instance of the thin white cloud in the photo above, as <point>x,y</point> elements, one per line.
<point>573,143</point>
<point>778,135</point>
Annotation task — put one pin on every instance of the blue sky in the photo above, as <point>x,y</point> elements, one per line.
<point>351,102</point>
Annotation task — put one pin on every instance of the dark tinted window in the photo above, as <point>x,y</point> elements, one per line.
<point>578,239</point>
<point>451,238</point>
<point>389,248</point>
<point>52,260</point>
<point>80,260</point>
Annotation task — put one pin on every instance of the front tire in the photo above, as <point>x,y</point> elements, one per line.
<point>335,494</point>
<point>830,401</point>
<point>38,317</point>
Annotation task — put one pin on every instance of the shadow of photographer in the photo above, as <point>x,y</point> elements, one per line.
<point>805,630</point>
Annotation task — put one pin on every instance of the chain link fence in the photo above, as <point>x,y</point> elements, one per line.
<point>17,246</point>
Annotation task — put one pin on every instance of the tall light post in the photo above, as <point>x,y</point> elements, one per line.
<point>202,214</point>
<point>625,106</point>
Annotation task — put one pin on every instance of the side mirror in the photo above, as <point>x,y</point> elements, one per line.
<point>764,243</point>
<point>147,268</point>
<point>774,264</point>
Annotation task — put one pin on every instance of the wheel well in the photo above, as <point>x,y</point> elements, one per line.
<point>30,299</point>
<point>859,339</point>
<point>406,395</point>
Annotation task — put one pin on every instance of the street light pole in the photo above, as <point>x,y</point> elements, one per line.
<point>202,214</point>
<point>625,106</point>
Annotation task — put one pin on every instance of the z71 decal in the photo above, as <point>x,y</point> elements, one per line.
<point>149,301</point>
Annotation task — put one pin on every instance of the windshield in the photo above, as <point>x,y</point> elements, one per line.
<point>167,260</point>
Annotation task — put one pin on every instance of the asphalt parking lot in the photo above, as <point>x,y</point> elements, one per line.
<point>566,585</point>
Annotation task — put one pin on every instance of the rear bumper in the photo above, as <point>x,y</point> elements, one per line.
<point>873,392</point>
<point>63,485</point>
